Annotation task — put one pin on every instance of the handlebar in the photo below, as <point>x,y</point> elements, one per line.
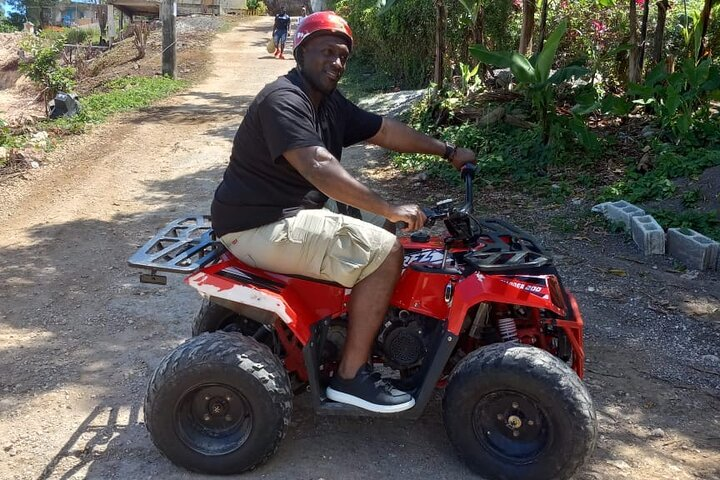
<point>467,173</point>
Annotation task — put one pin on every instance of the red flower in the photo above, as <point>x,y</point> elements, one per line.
<point>599,26</point>
<point>640,2</point>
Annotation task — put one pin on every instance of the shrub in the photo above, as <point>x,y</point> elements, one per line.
<point>7,27</point>
<point>77,36</point>
<point>43,68</point>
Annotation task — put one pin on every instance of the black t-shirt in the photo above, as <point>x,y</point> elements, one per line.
<point>282,22</point>
<point>259,185</point>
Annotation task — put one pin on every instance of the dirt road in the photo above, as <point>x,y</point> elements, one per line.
<point>79,335</point>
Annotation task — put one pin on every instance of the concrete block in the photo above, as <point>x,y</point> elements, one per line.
<point>693,249</point>
<point>600,208</point>
<point>623,212</point>
<point>648,235</point>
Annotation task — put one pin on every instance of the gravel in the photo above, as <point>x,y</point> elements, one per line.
<point>197,23</point>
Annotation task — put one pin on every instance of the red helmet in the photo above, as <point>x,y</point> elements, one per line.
<point>328,22</point>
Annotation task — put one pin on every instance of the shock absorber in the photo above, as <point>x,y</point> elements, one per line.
<point>508,330</point>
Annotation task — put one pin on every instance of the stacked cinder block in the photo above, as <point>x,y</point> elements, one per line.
<point>622,211</point>
<point>693,249</point>
<point>648,235</point>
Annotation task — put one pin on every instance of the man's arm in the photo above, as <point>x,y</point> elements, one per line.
<point>322,169</point>
<point>397,136</point>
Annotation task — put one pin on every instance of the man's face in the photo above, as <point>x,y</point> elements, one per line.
<point>324,60</point>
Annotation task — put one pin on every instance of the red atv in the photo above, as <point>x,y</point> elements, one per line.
<point>479,312</point>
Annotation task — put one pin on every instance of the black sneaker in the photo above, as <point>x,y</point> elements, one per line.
<point>370,392</point>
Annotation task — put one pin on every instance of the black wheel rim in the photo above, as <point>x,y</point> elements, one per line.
<point>512,426</point>
<point>213,419</point>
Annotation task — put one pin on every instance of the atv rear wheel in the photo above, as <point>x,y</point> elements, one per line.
<point>220,403</point>
<point>514,411</point>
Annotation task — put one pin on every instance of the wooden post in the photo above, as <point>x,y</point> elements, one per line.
<point>439,73</point>
<point>634,54</point>
<point>168,12</point>
<point>528,25</point>
<point>658,46</point>
<point>111,32</point>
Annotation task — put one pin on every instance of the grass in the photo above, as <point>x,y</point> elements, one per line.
<point>122,95</point>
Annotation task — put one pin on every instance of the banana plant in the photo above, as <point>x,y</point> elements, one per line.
<point>681,98</point>
<point>468,77</point>
<point>533,75</point>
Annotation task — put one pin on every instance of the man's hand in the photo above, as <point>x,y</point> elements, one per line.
<point>410,214</point>
<point>463,156</point>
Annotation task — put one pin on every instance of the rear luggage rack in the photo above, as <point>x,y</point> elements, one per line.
<point>507,248</point>
<point>182,246</point>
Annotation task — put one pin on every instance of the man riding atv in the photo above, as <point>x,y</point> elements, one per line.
<point>285,164</point>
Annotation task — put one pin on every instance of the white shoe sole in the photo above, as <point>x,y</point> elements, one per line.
<point>341,397</point>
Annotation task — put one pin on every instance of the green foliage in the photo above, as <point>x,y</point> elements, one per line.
<point>262,8</point>
<point>258,6</point>
<point>682,98</point>
<point>502,152</point>
<point>7,138</point>
<point>670,163</point>
<point>707,223</point>
<point>533,75</point>
<point>123,94</point>
<point>43,68</point>
<point>691,198</point>
<point>469,78</point>
<point>399,42</point>
<point>76,36</point>
<point>7,27</point>
<point>362,79</point>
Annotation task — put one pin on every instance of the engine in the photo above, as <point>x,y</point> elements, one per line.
<point>404,339</point>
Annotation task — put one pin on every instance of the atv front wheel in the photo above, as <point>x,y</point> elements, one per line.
<point>220,403</point>
<point>514,411</point>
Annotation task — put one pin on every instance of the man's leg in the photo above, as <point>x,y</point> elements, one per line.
<point>282,46</point>
<point>353,253</point>
<point>366,311</point>
<point>354,382</point>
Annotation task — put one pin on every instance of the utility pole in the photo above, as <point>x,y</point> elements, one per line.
<point>168,13</point>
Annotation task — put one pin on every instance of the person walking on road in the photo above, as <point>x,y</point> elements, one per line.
<point>281,29</point>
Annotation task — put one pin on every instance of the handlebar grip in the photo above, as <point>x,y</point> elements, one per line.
<point>468,169</point>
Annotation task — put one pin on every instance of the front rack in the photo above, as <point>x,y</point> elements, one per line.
<point>182,246</point>
<point>506,248</point>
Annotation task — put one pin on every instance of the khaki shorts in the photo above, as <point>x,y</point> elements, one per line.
<point>377,220</point>
<point>314,243</point>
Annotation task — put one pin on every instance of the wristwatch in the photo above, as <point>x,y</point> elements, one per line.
<point>450,150</point>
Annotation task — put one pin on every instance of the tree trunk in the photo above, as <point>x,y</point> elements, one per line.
<point>477,29</point>
<point>643,34</point>
<point>478,35</point>
<point>543,21</point>
<point>634,54</point>
<point>659,41</point>
<point>441,15</point>
<point>528,23</point>
<point>704,21</point>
